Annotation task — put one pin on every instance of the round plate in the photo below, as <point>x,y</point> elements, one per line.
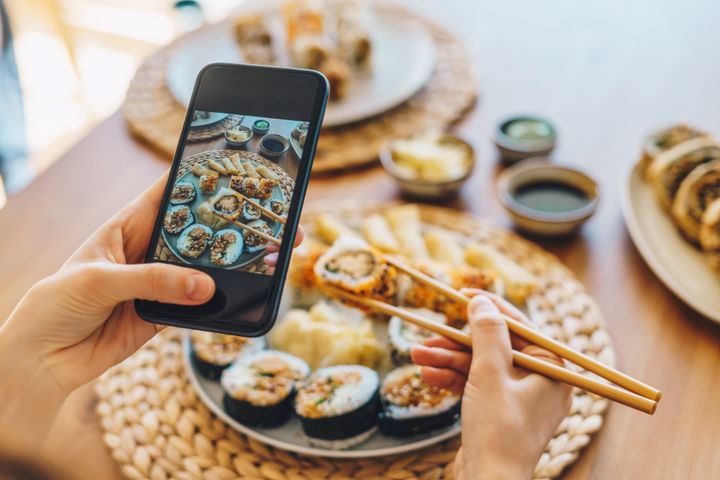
<point>677,264</point>
<point>290,436</point>
<point>403,61</point>
<point>213,118</point>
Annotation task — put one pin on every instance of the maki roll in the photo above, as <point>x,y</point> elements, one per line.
<point>208,182</point>
<point>275,206</point>
<point>214,352</point>
<point>254,242</point>
<point>663,140</point>
<point>182,192</point>
<point>248,186</point>
<point>227,203</point>
<point>710,235</point>
<point>403,335</point>
<point>177,219</point>
<point>194,240</point>
<point>259,387</point>
<point>699,189</point>
<point>265,188</point>
<point>250,211</point>
<point>226,247</point>
<point>338,405</point>
<point>410,406</point>
<point>299,129</point>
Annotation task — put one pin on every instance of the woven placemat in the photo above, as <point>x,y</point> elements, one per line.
<point>214,130</point>
<point>157,427</point>
<point>286,183</point>
<point>154,115</point>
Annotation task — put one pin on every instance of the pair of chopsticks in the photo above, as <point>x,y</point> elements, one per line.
<point>635,393</point>
<point>260,234</point>
<point>263,210</point>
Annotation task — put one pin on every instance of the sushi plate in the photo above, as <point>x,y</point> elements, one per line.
<point>403,62</point>
<point>290,436</point>
<point>212,119</point>
<point>204,259</point>
<point>676,263</point>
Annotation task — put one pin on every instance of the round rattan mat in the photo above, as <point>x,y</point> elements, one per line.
<point>200,134</point>
<point>157,427</point>
<point>286,183</point>
<point>155,116</point>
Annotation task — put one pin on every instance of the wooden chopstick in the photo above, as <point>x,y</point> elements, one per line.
<point>267,212</point>
<point>533,336</point>
<point>520,359</point>
<point>262,235</point>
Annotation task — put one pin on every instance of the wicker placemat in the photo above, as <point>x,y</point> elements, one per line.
<point>214,130</point>
<point>286,183</point>
<point>157,427</point>
<point>154,115</point>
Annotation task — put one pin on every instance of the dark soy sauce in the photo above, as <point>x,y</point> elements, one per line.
<point>551,197</point>
<point>273,145</point>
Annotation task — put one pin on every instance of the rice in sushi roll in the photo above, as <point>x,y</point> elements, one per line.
<point>274,205</point>
<point>338,405</point>
<point>214,352</point>
<point>410,406</point>
<point>226,247</point>
<point>194,240</point>
<point>404,335</point>
<point>254,242</point>
<point>182,192</point>
<point>177,219</point>
<point>260,387</point>
<point>250,212</point>
<point>227,203</point>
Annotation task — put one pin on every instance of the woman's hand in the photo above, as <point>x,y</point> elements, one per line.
<point>508,414</point>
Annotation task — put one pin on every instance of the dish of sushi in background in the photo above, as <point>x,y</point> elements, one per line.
<point>524,136</point>
<point>547,199</point>
<point>298,136</point>
<point>401,61</point>
<point>202,215</point>
<point>430,165</point>
<point>408,414</point>
<point>204,119</point>
<point>668,237</point>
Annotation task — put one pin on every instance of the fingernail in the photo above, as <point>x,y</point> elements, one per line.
<point>271,258</point>
<point>199,286</point>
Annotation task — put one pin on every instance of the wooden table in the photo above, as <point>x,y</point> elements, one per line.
<point>605,73</point>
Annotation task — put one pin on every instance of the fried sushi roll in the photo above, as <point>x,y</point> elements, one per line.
<point>194,240</point>
<point>663,140</point>
<point>212,352</point>
<point>698,190</point>
<point>182,192</point>
<point>670,168</point>
<point>410,406</point>
<point>259,388</point>
<point>208,182</point>
<point>710,235</point>
<point>265,188</point>
<point>338,406</point>
<point>177,219</point>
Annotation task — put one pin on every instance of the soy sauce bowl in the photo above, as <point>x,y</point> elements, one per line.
<point>547,199</point>
<point>273,145</point>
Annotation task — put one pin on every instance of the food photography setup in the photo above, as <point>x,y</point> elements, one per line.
<point>357,239</point>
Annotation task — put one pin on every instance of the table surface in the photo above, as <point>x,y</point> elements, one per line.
<point>606,73</point>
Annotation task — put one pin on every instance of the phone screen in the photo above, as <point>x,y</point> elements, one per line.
<point>235,192</point>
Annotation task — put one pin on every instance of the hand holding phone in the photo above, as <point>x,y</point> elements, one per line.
<point>235,191</point>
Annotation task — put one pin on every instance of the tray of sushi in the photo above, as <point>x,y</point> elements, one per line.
<point>336,381</point>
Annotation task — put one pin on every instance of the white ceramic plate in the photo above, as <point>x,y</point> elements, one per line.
<point>213,118</point>
<point>679,266</point>
<point>403,62</point>
<point>290,437</point>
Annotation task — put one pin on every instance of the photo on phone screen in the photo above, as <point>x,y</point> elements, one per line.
<point>230,198</point>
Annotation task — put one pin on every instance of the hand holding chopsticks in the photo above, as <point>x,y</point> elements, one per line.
<point>638,395</point>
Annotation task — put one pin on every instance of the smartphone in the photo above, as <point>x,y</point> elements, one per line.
<point>236,186</point>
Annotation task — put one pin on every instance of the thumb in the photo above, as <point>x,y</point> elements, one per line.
<point>490,335</point>
<point>155,281</point>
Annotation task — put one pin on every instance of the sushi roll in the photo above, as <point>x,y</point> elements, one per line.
<point>265,188</point>
<point>403,335</point>
<point>226,247</point>
<point>410,406</point>
<point>214,352</point>
<point>351,264</point>
<point>248,186</point>
<point>250,212</point>
<point>177,219</point>
<point>254,242</point>
<point>208,182</point>
<point>194,240</point>
<point>259,387</point>
<point>227,203</point>
<point>182,192</point>
<point>275,206</point>
<point>338,406</point>
<point>300,128</point>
